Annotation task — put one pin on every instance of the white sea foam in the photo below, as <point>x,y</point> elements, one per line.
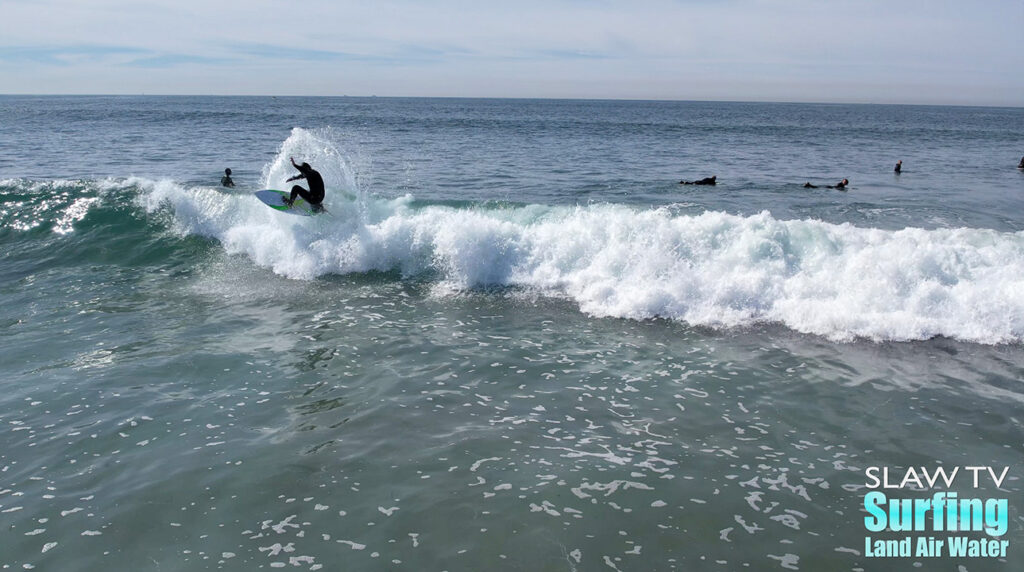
<point>713,269</point>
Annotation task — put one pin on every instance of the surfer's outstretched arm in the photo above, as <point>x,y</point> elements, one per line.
<point>302,172</point>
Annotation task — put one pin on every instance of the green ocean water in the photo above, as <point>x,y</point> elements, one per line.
<point>586,367</point>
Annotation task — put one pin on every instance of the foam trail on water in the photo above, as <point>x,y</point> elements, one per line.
<point>715,269</point>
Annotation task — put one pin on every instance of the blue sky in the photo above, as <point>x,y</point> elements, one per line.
<point>923,51</point>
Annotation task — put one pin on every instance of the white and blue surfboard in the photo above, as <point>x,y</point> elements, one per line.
<point>275,200</point>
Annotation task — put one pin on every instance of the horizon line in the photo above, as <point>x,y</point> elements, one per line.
<point>521,98</point>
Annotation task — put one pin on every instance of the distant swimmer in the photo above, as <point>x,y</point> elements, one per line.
<point>1021,164</point>
<point>226,179</point>
<point>841,185</point>
<point>315,195</point>
<point>899,167</point>
<point>705,181</point>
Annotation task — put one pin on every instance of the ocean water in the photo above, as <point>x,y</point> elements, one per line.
<point>515,343</point>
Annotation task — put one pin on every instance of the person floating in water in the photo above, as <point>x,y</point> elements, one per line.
<point>705,181</point>
<point>899,167</point>
<point>841,185</point>
<point>315,195</point>
<point>226,179</point>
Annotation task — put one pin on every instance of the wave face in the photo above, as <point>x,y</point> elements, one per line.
<point>713,269</point>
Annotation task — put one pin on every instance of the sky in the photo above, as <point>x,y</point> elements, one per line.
<point>866,51</point>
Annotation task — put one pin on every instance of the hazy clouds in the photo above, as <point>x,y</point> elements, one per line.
<point>924,51</point>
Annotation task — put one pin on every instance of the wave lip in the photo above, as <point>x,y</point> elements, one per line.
<point>54,205</point>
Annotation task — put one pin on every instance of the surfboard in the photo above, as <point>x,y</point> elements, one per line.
<point>275,200</point>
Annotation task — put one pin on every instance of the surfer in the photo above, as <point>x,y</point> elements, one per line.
<point>226,179</point>
<point>899,167</point>
<point>841,185</point>
<point>315,195</point>
<point>705,181</point>
<point>1021,164</point>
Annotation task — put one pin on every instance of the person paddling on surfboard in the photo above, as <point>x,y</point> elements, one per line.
<point>315,195</point>
<point>705,181</point>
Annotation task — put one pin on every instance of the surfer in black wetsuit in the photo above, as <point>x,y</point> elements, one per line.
<point>1021,164</point>
<point>841,185</point>
<point>226,179</point>
<point>899,167</point>
<point>315,195</point>
<point>705,181</point>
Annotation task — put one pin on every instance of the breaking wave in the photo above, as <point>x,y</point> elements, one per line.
<point>713,269</point>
